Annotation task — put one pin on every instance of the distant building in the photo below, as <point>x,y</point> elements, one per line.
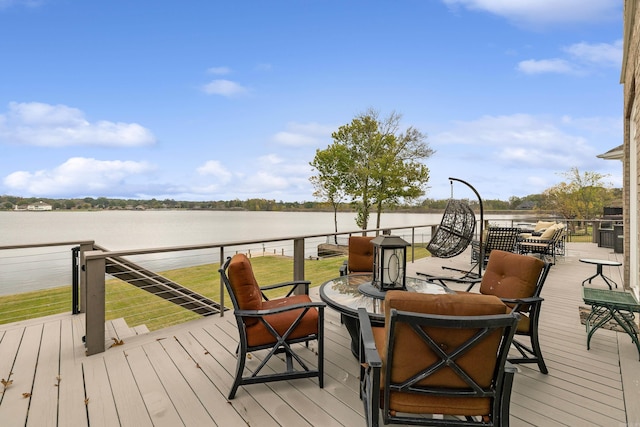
<point>526,205</point>
<point>39,206</point>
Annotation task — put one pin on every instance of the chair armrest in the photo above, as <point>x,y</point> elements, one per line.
<point>471,281</point>
<point>535,240</point>
<point>528,300</point>
<point>281,309</point>
<point>518,302</point>
<point>293,283</point>
<point>367,343</point>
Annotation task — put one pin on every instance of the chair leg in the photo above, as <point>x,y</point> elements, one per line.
<point>505,402</point>
<point>241,355</point>
<point>529,354</point>
<point>320,341</point>
<point>535,344</point>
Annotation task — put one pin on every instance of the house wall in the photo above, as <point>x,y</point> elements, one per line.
<point>630,78</point>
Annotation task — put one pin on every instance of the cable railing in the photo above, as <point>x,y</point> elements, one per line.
<point>169,293</point>
<point>97,286</point>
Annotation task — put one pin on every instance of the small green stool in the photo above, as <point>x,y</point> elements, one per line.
<point>606,305</point>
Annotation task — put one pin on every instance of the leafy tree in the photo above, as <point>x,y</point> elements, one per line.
<point>584,195</point>
<point>378,165</point>
<point>333,165</point>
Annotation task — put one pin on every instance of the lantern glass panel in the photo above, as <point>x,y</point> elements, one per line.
<point>389,263</point>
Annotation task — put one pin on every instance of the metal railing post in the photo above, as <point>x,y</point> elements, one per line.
<point>95,298</point>
<point>222,261</point>
<point>413,244</point>
<point>84,247</point>
<point>298,259</point>
<point>75,285</point>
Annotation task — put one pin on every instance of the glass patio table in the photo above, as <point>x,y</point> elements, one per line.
<point>343,294</point>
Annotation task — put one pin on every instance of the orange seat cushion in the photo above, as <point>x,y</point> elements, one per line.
<point>258,334</point>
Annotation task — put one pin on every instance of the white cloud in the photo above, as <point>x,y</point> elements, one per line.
<point>216,169</point>
<point>519,141</point>
<point>223,87</point>
<point>265,182</point>
<point>78,175</point>
<point>304,134</point>
<point>28,3</point>
<point>219,70</point>
<point>518,154</point>
<point>583,58</point>
<point>532,66</point>
<point>606,54</point>
<point>40,124</point>
<point>545,12</point>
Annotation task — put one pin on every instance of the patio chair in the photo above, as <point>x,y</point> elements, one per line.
<point>360,256</point>
<point>456,231</point>
<point>548,245</point>
<point>277,325</point>
<point>497,238</point>
<point>442,355</point>
<point>517,280</point>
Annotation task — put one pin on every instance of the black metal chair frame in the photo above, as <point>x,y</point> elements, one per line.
<point>371,366</point>
<point>281,343</point>
<point>500,238</point>
<point>545,248</point>
<point>531,306</point>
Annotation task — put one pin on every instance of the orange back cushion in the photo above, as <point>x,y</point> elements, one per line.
<point>244,285</point>
<point>510,275</point>
<point>360,254</point>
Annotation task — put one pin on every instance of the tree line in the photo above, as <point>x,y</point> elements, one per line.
<point>89,203</point>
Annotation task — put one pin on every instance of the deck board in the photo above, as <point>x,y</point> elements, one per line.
<point>15,406</point>
<point>43,408</point>
<point>72,410</point>
<point>156,399</point>
<point>181,375</point>
<point>126,395</point>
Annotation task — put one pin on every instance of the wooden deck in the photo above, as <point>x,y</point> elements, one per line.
<point>181,375</point>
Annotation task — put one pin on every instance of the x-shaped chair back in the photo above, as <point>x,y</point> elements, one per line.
<point>441,354</point>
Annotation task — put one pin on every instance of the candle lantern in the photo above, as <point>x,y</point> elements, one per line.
<point>389,263</point>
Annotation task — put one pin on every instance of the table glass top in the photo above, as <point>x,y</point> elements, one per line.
<point>343,295</point>
<point>600,261</point>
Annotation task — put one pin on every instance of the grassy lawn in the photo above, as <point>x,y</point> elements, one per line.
<point>140,307</point>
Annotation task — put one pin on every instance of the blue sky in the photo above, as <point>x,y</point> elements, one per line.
<point>220,100</point>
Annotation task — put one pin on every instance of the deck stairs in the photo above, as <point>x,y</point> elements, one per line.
<point>152,282</point>
<point>117,330</point>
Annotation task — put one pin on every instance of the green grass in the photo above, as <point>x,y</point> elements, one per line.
<point>140,307</point>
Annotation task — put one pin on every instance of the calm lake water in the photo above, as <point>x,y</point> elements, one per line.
<point>21,270</point>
